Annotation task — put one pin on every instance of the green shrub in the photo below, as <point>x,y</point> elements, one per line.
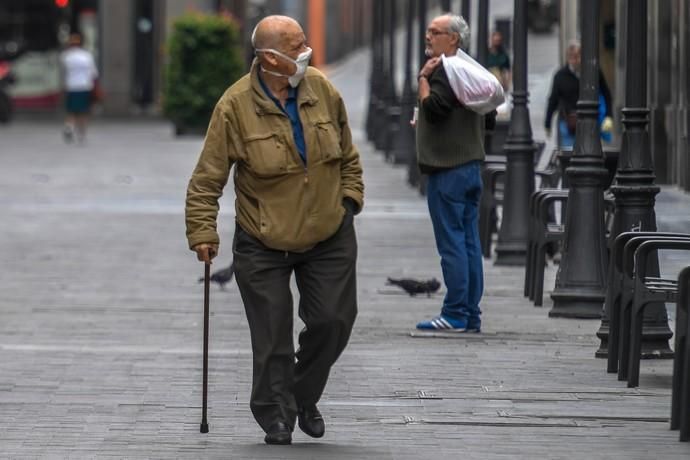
<point>204,58</point>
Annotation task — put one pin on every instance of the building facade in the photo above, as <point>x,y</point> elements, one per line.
<point>128,39</point>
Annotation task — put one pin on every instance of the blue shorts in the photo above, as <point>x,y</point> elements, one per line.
<point>78,101</point>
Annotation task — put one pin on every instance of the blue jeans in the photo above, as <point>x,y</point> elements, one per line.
<point>453,197</point>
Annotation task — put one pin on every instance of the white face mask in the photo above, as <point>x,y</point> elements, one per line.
<point>301,64</point>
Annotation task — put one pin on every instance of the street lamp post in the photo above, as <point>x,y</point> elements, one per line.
<point>423,6</point>
<point>393,107</point>
<point>375,71</point>
<point>466,11</point>
<point>387,93</point>
<point>634,188</point>
<point>519,148</point>
<point>482,55</point>
<point>403,149</point>
<point>413,174</point>
<point>581,278</point>
<point>483,31</point>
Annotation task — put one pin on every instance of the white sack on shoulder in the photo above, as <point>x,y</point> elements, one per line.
<point>474,86</point>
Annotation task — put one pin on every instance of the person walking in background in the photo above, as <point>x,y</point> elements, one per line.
<point>450,149</point>
<point>565,91</point>
<point>79,77</point>
<point>498,61</point>
<point>298,185</point>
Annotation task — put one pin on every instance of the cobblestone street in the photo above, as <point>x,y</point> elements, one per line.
<point>101,326</point>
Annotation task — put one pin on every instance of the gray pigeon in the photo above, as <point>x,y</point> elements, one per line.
<point>223,276</point>
<point>414,287</point>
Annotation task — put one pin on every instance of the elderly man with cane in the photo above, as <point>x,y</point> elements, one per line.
<point>298,184</point>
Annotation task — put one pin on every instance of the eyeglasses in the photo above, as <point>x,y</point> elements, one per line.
<point>436,33</point>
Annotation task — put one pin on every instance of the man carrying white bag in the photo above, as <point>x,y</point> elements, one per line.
<point>453,99</point>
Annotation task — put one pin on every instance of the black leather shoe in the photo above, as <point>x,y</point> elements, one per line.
<point>279,433</point>
<point>310,421</point>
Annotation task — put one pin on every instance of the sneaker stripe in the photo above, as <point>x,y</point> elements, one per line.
<point>438,323</point>
<point>446,323</point>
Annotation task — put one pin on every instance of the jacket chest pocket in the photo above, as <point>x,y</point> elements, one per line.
<point>266,154</point>
<point>329,141</point>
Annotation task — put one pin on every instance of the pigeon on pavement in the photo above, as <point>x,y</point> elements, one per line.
<point>414,287</point>
<point>223,276</point>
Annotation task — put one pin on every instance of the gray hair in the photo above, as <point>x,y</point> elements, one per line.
<point>254,35</point>
<point>573,45</point>
<point>458,25</point>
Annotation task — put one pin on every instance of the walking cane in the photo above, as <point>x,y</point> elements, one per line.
<point>207,283</point>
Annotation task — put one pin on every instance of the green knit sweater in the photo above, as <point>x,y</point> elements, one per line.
<point>448,134</point>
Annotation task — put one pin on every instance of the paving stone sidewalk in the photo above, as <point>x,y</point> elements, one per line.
<point>100,328</point>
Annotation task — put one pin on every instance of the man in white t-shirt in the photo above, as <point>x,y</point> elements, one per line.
<point>79,77</point>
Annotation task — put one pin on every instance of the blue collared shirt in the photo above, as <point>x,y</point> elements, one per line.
<point>292,111</point>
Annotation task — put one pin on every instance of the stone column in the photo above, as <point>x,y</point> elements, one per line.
<point>116,55</point>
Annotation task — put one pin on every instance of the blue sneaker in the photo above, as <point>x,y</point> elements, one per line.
<point>443,323</point>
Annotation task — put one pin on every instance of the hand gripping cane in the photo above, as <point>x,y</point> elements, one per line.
<point>207,283</point>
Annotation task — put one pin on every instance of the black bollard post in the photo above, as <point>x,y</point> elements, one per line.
<point>581,278</point>
<point>519,148</point>
<point>634,188</point>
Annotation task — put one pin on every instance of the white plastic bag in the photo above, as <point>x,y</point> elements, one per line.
<point>474,86</point>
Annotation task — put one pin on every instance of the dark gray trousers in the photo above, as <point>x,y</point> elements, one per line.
<point>326,279</point>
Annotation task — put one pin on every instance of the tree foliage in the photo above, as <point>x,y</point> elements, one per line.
<point>204,58</point>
